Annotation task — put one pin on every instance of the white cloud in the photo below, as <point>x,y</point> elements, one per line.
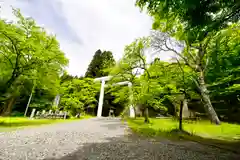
<point>106,24</point>
<point>82,27</point>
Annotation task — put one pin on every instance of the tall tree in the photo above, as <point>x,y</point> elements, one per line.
<point>128,68</point>
<point>107,62</point>
<point>192,41</point>
<point>27,53</point>
<point>100,64</point>
<point>194,55</point>
<point>95,65</point>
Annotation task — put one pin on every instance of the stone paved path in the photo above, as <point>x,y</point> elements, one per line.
<point>95,138</point>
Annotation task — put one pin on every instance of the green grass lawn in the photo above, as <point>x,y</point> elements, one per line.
<point>205,129</point>
<point>225,135</point>
<point>13,123</point>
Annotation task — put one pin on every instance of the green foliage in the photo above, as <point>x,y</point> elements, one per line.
<point>30,58</point>
<point>42,99</point>
<point>28,50</point>
<point>77,94</point>
<point>120,94</point>
<point>158,81</point>
<point>223,72</point>
<point>100,64</point>
<point>189,43</point>
<point>215,58</point>
<point>129,66</point>
<point>206,62</point>
<point>196,15</point>
<point>164,127</point>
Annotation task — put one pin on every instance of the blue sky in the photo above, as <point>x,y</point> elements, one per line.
<point>84,26</point>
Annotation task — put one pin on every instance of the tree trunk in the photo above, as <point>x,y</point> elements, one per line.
<point>142,112</point>
<point>206,100</point>
<point>4,107</point>
<point>8,106</point>
<point>134,108</point>
<point>146,117</point>
<point>180,115</point>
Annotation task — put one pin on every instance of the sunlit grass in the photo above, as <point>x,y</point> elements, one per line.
<point>13,123</point>
<point>205,129</point>
<point>225,136</point>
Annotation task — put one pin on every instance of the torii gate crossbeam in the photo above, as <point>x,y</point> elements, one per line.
<point>101,97</point>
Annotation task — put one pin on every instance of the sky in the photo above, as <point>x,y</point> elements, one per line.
<point>84,26</point>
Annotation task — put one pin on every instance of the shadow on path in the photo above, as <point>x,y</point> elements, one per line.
<point>125,147</point>
<point>120,148</point>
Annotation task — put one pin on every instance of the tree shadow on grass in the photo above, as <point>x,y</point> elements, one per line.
<point>233,146</point>
<point>177,135</point>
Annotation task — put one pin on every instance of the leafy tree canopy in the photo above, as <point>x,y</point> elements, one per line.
<point>30,60</point>
<point>205,15</point>
<point>27,51</point>
<point>100,64</point>
<point>77,94</point>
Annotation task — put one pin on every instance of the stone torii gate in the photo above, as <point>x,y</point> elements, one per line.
<point>101,97</point>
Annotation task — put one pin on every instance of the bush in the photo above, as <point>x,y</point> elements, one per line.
<point>17,114</point>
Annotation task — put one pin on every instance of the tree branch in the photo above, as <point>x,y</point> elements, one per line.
<point>7,59</point>
<point>159,43</point>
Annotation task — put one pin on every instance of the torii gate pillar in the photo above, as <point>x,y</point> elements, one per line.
<point>131,109</point>
<point>101,97</point>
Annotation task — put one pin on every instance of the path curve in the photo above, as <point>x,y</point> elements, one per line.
<point>97,138</point>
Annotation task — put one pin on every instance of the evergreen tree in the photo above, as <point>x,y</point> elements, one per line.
<point>100,64</point>
<point>107,62</point>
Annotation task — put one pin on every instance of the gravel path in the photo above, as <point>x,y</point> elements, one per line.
<point>97,139</point>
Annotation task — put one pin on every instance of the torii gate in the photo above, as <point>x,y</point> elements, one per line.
<point>101,97</point>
